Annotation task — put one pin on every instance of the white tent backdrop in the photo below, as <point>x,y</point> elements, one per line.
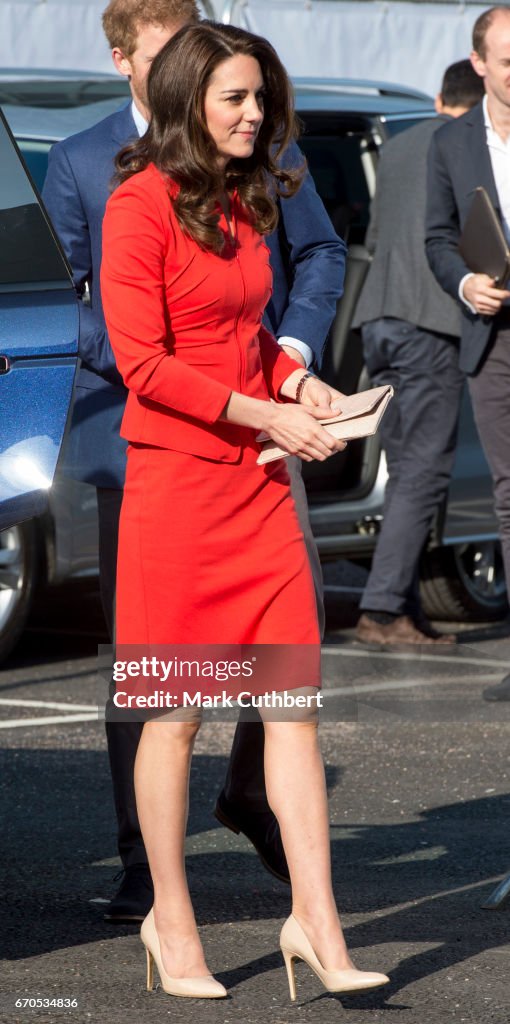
<point>53,34</point>
<point>406,43</point>
<point>403,42</point>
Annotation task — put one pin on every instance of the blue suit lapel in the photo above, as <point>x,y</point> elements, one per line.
<point>123,126</point>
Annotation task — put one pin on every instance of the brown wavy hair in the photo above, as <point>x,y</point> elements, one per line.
<point>180,145</point>
<point>123,19</point>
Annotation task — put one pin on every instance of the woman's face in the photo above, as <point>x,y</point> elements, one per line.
<point>234,107</point>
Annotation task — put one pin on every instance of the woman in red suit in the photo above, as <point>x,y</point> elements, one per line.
<point>210,549</point>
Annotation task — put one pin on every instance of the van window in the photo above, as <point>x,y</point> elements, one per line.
<point>336,167</point>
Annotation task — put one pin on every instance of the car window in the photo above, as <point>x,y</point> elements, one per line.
<point>336,167</point>
<point>61,93</point>
<point>35,155</point>
<point>29,254</point>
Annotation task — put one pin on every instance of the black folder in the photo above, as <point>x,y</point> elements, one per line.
<point>482,244</point>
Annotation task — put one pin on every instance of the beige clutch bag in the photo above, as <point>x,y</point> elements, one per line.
<point>360,417</point>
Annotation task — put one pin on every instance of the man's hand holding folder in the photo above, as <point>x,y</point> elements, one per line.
<point>484,248</point>
<point>481,293</point>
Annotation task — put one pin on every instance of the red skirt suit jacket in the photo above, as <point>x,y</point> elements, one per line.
<point>184,324</point>
<point>210,548</point>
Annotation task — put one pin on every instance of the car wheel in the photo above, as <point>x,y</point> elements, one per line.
<point>18,570</point>
<point>464,582</point>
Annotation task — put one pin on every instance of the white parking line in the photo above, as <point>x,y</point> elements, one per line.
<point>91,712</point>
<point>418,901</point>
<point>413,656</point>
<point>355,689</point>
<point>55,704</point>
<point>22,723</point>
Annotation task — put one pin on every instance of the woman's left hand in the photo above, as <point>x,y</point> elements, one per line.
<point>315,393</point>
<point>322,396</point>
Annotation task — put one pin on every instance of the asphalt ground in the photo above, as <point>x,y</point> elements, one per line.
<point>418,776</point>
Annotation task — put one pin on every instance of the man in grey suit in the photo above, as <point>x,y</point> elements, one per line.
<point>474,151</point>
<point>410,331</point>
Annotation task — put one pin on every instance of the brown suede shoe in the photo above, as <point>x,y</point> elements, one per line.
<point>423,624</point>
<point>401,631</point>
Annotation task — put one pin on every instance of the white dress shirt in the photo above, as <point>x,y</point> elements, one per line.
<point>300,346</point>
<point>499,152</point>
<point>138,118</point>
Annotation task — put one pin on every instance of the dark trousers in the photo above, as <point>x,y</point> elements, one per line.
<point>122,737</point>
<point>418,433</point>
<point>245,781</point>
<point>490,395</point>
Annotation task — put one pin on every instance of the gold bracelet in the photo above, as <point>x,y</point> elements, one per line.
<point>301,384</point>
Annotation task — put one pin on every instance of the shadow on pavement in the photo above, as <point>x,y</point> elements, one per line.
<point>59,826</point>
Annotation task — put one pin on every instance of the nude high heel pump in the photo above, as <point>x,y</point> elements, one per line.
<point>195,988</point>
<point>296,946</point>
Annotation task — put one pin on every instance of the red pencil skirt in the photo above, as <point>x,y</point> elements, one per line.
<point>211,553</point>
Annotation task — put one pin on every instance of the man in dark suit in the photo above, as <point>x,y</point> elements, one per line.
<point>410,332</point>
<point>308,262</point>
<point>474,151</point>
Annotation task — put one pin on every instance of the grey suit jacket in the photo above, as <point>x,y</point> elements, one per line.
<point>459,161</point>
<point>399,282</point>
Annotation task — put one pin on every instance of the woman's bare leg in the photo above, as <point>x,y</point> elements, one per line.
<point>161,782</point>
<point>296,790</point>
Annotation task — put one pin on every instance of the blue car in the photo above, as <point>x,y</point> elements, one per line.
<point>38,356</point>
<point>345,124</point>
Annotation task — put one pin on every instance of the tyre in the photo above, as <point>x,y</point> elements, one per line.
<point>464,582</point>
<point>18,574</point>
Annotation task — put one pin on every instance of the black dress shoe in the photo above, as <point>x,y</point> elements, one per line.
<point>261,828</point>
<point>135,896</point>
<point>499,692</point>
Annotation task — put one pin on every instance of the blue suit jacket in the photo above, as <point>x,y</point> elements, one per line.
<point>307,258</point>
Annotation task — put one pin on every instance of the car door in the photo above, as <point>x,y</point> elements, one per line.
<point>340,151</point>
<point>38,342</point>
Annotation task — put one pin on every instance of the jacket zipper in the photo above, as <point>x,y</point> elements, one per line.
<point>241,308</point>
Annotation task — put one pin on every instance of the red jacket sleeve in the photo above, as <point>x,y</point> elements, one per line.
<point>136,239</point>
<point>276,364</point>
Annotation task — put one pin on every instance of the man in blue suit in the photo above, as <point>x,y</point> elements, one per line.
<point>308,261</point>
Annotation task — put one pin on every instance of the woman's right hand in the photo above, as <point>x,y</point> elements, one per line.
<point>296,429</point>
